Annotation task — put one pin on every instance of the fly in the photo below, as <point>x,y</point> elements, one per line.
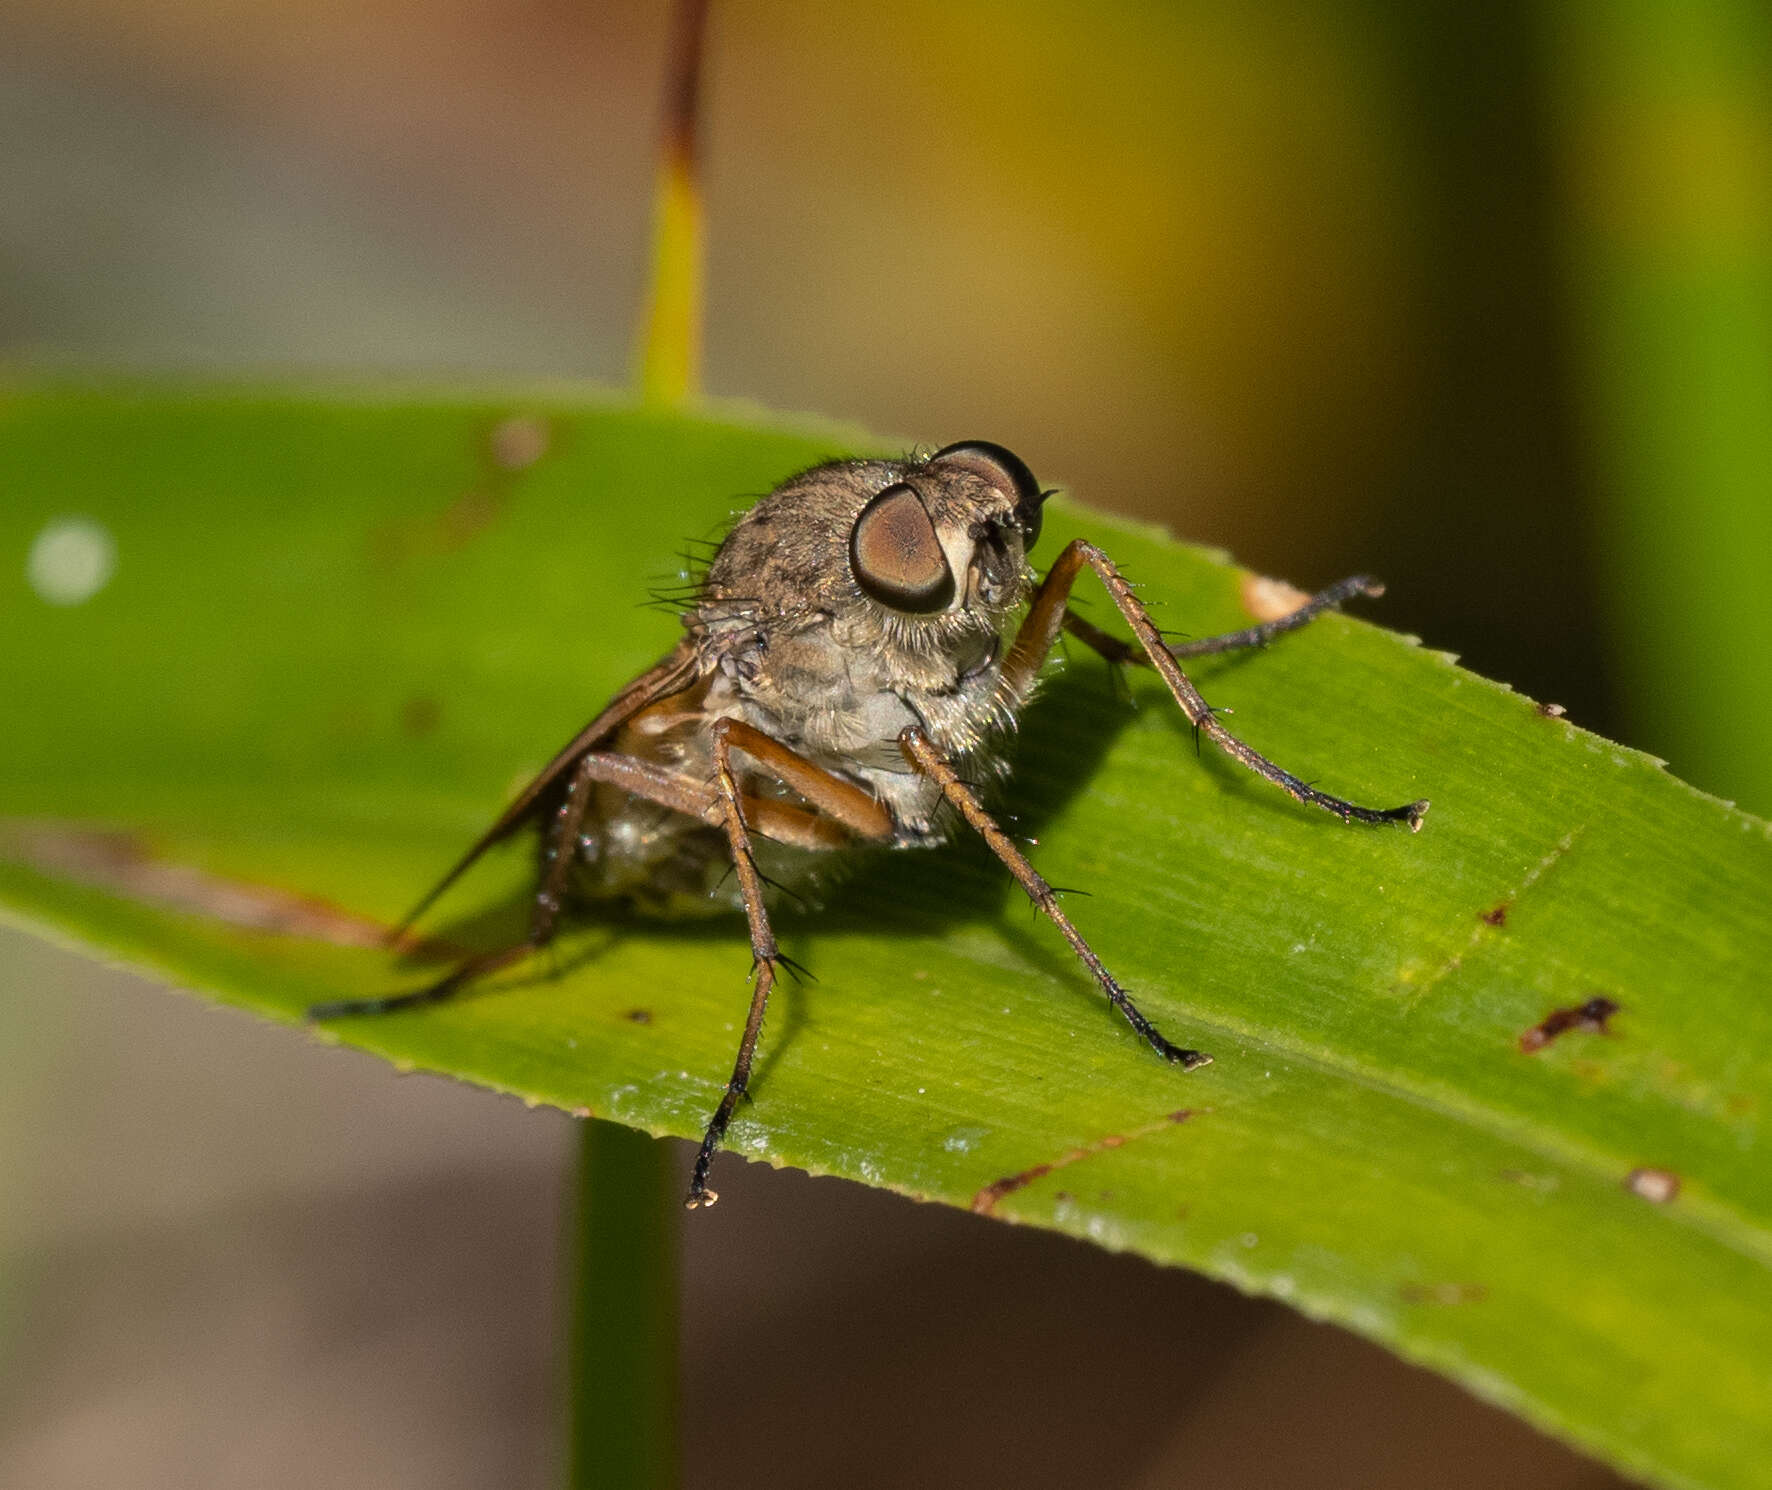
<point>859,646</point>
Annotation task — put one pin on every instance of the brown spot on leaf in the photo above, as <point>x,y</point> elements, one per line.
<point>1443,1293</point>
<point>124,865</point>
<point>1497,915</point>
<point>513,445</point>
<point>638,1016</point>
<point>519,442</point>
<point>468,515</point>
<point>1412,972</point>
<point>1591,1017</point>
<point>406,539</point>
<point>985,1202</point>
<point>420,714</point>
<point>1658,1186</point>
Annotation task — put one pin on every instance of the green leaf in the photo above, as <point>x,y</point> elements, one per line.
<point>341,629</point>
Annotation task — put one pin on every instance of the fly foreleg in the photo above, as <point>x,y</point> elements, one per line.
<point>1048,615</point>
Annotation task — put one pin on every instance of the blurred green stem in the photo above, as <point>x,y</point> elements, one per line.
<point>1664,113</point>
<point>624,1318</point>
<point>624,1323</point>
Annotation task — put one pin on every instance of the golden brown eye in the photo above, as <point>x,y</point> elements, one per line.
<point>1006,471</point>
<point>896,555</point>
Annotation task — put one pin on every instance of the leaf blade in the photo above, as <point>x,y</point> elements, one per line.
<point>354,601</point>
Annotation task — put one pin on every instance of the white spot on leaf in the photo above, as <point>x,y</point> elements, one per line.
<point>72,559</point>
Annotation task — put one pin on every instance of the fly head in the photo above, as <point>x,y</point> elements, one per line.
<point>921,551</point>
<point>950,535</point>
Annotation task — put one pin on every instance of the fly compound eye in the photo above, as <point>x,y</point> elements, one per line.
<point>896,555</point>
<point>1006,471</point>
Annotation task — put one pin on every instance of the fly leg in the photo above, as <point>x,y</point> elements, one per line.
<point>1048,615</point>
<point>642,779</point>
<point>925,758</point>
<point>1114,650</point>
<point>764,955</point>
<point>838,800</point>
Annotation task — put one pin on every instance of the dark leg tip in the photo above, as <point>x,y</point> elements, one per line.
<point>1176,1056</point>
<point>342,1009</point>
<point>699,1193</point>
<point>393,1002</point>
<point>1410,812</point>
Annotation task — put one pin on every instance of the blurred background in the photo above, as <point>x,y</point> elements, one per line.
<point>1475,298</point>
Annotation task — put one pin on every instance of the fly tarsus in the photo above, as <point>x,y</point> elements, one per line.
<point>1175,1054</point>
<point>439,992</point>
<point>924,757</point>
<point>737,1088</point>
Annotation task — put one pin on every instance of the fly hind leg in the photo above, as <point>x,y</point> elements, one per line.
<point>562,846</point>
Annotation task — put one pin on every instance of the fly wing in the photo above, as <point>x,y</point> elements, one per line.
<point>670,676</point>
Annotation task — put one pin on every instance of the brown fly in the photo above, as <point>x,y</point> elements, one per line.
<point>859,646</point>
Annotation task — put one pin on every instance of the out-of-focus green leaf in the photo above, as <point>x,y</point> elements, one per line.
<point>1664,112</point>
<point>341,629</point>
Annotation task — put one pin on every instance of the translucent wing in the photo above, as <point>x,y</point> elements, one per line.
<point>659,681</point>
